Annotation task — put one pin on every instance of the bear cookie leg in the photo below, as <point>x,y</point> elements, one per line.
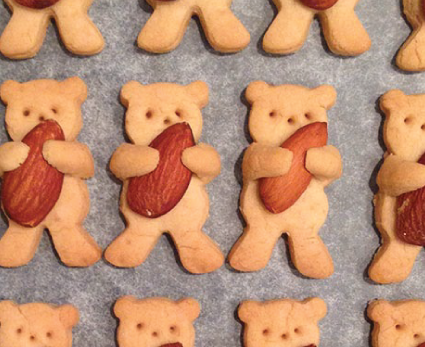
<point>19,244</point>
<point>165,28</point>
<point>24,34</point>
<point>411,56</point>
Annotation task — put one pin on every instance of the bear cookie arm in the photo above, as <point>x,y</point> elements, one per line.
<point>165,158</point>
<point>283,188</point>
<point>26,30</point>
<point>47,164</point>
<point>165,29</point>
<point>401,182</point>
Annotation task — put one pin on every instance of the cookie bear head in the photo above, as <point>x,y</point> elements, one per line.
<point>404,125</point>
<point>282,323</point>
<point>156,322</point>
<point>36,324</point>
<point>153,108</point>
<point>279,111</point>
<point>30,103</point>
<point>397,323</point>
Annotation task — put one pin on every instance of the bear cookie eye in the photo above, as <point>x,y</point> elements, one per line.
<point>291,120</point>
<point>54,110</point>
<point>266,332</point>
<point>19,331</point>
<point>27,113</point>
<point>399,327</point>
<point>49,334</point>
<point>149,114</point>
<point>408,120</point>
<point>308,116</point>
<point>297,331</point>
<point>173,328</point>
<point>273,114</point>
<point>139,326</point>
<point>284,336</point>
<point>178,113</point>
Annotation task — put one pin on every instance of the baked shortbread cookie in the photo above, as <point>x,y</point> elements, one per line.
<point>165,29</point>
<point>27,28</point>
<point>343,32</point>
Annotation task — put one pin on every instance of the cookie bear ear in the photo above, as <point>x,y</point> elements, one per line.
<point>394,99</point>
<point>190,307</point>
<point>317,307</point>
<point>6,307</point>
<point>69,315</point>
<point>76,88</point>
<point>123,305</point>
<point>130,90</point>
<point>325,95</point>
<point>8,90</point>
<point>379,309</point>
<point>255,90</point>
<point>248,310</point>
<point>199,91</point>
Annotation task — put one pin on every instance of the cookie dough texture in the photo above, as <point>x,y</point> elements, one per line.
<point>397,323</point>
<point>36,324</point>
<point>150,110</point>
<point>400,173</point>
<point>155,322</point>
<point>165,29</point>
<point>24,35</point>
<point>278,112</point>
<point>343,31</point>
<point>28,104</point>
<point>282,323</point>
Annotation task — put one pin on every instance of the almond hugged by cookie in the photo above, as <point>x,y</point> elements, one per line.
<point>285,171</point>
<point>24,35</point>
<point>43,170</point>
<point>165,29</point>
<point>164,171</point>
<point>343,31</point>
<point>399,203</point>
<point>282,323</point>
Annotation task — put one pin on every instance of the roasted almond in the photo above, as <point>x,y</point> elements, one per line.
<point>280,193</point>
<point>37,4</point>
<point>410,223</point>
<point>31,191</point>
<point>158,192</point>
<point>319,5</point>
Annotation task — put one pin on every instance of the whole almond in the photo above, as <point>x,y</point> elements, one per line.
<point>319,5</point>
<point>37,4</point>
<point>410,222</point>
<point>158,192</point>
<point>280,193</point>
<point>31,191</point>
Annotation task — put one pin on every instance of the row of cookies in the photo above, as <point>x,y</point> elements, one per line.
<point>163,32</point>
<point>167,323</point>
<point>165,169</point>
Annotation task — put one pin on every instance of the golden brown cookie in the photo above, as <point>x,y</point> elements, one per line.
<point>165,29</point>
<point>27,28</point>
<point>43,170</point>
<point>164,172</point>
<point>293,117</point>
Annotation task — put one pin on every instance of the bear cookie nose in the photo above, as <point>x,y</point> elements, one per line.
<point>176,344</point>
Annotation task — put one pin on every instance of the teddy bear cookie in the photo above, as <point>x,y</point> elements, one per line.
<point>399,208</point>
<point>27,28</point>
<point>43,170</point>
<point>164,172</point>
<point>282,323</point>
<point>36,324</point>
<point>165,29</point>
<point>343,32</point>
<point>156,322</point>
<point>411,56</point>
<point>397,323</point>
<point>285,171</point>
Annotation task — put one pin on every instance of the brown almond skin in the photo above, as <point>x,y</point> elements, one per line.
<point>319,5</point>
<point>410,223</point>
<point>280,193</point>
<point>176,344</point>
<point>31,191</point>
<point>158,192</point>
<point>423,13</point>
<point>37,4</point>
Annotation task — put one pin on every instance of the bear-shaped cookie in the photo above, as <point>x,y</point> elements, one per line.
<point>31,107</point>
<point>282,323</point>
<point>277,113</point>
<point>411,56</point>
<point>36,324</point>
<point>399,174</point>
<point>27,28</point>
<point>156,322</point>
<point>165,29</point>
<point>169,112</point>
<point>397,323</point>
<point>343,32</point>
